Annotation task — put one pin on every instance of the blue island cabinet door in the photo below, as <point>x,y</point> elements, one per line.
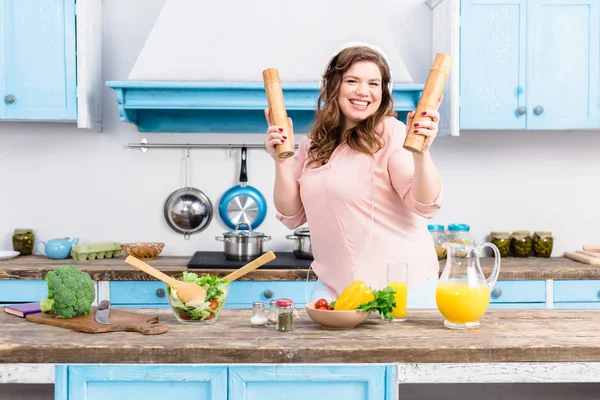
<point>563,64</point>
<point>331,382</point>
<point>38,65</point>
<point>140,382</point>
<point>492,64</point>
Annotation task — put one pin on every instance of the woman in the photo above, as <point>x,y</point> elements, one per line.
<point>363,195</point>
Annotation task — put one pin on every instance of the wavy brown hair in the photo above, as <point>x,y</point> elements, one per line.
<point>327,130</point>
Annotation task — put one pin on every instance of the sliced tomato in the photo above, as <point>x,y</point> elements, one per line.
<point>213,304</point>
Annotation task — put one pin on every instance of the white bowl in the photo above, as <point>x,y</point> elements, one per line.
<point>8,254</point>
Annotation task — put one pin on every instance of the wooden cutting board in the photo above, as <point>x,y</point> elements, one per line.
<point>119,321</point>
<point>581,257</point>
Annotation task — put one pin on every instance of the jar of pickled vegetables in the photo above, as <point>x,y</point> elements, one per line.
<point>542,243</point>
<point>460,233</point>
<point>23,241</point>
<point>521,243</point>
<point>502,242</point>
<point>439,237</point>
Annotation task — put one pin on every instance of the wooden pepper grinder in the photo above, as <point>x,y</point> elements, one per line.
<point>429,99</point>
<point>277,110</point>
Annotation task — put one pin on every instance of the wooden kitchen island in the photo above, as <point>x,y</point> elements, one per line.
<point>233,360</point>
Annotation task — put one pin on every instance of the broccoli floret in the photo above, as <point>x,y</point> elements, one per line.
<point>70,292</point>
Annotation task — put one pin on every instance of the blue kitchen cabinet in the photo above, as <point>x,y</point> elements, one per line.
<point>152,294</point>
<point>37,60</point>
<point>22,291</point>
<point>332,382</point>
<point>223,382</point>
<point>492,64</point>
<point>518,294</point>
<point>523,67</point>
<point>577,294</point>
<point>140,382</point>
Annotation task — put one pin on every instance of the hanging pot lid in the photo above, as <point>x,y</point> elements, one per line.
<point>302,232</point>
<point>243,233</point>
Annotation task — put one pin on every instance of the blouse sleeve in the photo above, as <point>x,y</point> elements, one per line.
<point>401,169</point>
<point>298,219</point>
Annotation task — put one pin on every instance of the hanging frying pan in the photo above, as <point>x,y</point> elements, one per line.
<point>243,203</point>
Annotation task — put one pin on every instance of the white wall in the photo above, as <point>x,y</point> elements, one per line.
<point>62,181</point>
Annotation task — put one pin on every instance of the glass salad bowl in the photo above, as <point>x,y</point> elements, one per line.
<point>201,312</point>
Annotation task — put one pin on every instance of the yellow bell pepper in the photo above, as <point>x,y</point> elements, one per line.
<point>355,294</point>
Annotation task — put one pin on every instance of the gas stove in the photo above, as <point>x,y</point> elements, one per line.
<point>216,259</point>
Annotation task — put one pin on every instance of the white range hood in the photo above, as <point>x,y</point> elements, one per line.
<point>200,68</point>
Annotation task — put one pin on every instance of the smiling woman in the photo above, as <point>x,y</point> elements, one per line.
<point>363,195</point>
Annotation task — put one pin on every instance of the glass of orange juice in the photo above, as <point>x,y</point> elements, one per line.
<point>397,278</point>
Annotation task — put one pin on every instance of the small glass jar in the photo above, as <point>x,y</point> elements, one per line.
<point>23,241</point>
<point>272,318</point>
<point>502,242</point>
<point>258,314</point>
<point>439,237</point>
<point>542,244</point>
<point>285,315</point>
<point>521,243</point>
<point>460,233</point>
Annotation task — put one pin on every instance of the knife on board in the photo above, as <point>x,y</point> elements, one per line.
<point>102,313</point>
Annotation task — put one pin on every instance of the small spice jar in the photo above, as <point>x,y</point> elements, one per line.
<point>439,237</point>
<point>460,233</point>
<point>502,242</point>
<point>285,315</point>
<point>542,243</point>
<point>272,318</point>
<point>521,243</point>
<point>258,314</point>
<point>23,240</point>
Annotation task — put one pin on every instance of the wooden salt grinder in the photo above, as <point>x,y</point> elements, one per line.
<point>277,110</point>
<point>429,99</point>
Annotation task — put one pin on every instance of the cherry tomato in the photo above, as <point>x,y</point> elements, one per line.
<point>323,308</point>
<point>213,304</point>
<point>321,303</point>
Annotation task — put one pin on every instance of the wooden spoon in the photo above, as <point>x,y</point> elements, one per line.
<point>187,291</point>
<point>251,266</point>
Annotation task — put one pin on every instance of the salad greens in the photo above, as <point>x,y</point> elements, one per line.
<point>384,303</point>
<point>207,308</point>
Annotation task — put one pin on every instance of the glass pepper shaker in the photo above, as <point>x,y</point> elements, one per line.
<point>285,315</point>
<point>272,319</point>
<point>258,314</point>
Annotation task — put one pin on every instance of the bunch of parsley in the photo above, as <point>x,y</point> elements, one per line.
<point>384,303</point>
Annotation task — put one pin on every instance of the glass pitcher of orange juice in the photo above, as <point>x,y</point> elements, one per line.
<point>463,293</point>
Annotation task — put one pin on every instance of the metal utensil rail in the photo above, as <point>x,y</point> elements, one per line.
<point>144,145</point>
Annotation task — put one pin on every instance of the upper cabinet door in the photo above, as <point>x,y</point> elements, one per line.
<point>493,37</point>
<point>563,64</point>
<point>39,59</point>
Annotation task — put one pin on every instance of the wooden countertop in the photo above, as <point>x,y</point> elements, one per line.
<point>115,269</point>
<point>505,336</point>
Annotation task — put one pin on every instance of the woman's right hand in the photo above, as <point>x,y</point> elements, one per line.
<point>277,135</point>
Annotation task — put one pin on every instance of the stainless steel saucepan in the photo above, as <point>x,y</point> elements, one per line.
<point>302,245</point>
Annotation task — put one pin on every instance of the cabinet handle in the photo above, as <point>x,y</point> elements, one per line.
<point>9,99</point>
<point>268,294</point>
<point>496,293</point>
<point>521,110</point>
<point>538,110</point>
<point>160,292</point>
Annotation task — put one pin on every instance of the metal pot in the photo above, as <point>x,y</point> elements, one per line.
<point>302,246</point>
<point>243,245</point>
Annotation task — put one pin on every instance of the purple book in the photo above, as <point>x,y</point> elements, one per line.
<point>23,309</point>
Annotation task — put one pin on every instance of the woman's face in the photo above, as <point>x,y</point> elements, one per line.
<point>360,93</point>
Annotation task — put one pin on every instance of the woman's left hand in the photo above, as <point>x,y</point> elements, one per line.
<point>425,127</point>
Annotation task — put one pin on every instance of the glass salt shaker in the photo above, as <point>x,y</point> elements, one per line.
<point>272,319</point>
<point>258,314</point>
<point>285,315</point>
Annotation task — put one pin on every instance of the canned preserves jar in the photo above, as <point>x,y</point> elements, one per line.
<point>23,241</point>
<point>460,233</point>
<point>521,243</point>
<point>542,243</point>
<point>502,242</point>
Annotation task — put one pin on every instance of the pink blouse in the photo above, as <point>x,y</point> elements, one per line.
<point>336,202</point>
